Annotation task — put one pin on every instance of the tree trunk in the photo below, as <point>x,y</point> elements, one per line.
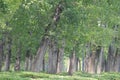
<point>2,42</point>
<point>17,64</point>
<point>44,64</point>
<point>60,60</point>
<point>27,60</point>
<point>1,54</point>
<point>30,63</point>
<point>50,61</point>
<point>86,58</point>
<point>110,59</point>
<point>82,63</point>
<point>37,65</point>
<point>100,60</point>
<point>117,61</point>
<point>8,55</point>
<point>17,61</point>
<point>77,64</point>
<point>53,52</point>
<point>89,61</point>
<point>72,63</point>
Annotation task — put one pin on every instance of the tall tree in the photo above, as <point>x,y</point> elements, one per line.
<point>37,65</point>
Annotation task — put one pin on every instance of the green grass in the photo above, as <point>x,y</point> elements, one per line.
<point>63,76</point>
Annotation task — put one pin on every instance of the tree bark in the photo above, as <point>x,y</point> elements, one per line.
<point>83,61</point>
<point>117,61</point>
<point>37,65</point>
<point>27,60</point>
<point>89,61</point>
<point>110,59</point>
<point>30,63</point>
<point>83,64</point>
<point>53,52</point>
<point>72,63</point>
<point>1,54</point>
<point>100,60</point>
<point>17,61</point>
<point>77,64</point>
<point>60,60</point>
<point>8,54</point>
<point>44,64</point>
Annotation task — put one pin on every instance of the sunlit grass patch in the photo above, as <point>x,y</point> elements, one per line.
<point>63,76</point>
<point>109,76</point>
<point>10,76</point>
<point>33,75</point>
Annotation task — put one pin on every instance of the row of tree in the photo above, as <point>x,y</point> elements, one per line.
<point>43,33</point>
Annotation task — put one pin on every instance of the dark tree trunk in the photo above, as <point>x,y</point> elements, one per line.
<point>117,61</point>
<point>2,42</point>
<point>8,54</point>
<point>17,61</point>
<point>44,64</point>
<point>1,54</point>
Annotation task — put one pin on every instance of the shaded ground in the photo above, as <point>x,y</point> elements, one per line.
<point>63,76</point>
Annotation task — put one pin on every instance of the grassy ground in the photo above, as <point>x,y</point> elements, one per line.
<point>63,76</point>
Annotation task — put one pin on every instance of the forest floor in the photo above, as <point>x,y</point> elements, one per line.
<point>64,76</point>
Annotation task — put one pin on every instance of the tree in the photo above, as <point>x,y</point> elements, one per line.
<point>44,42</point>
